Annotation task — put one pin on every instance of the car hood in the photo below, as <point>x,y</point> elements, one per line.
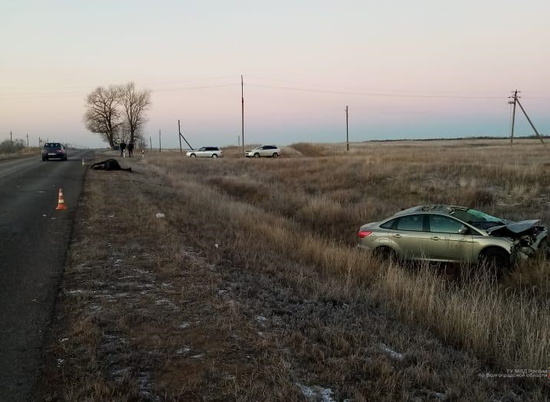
<point>515,227</point>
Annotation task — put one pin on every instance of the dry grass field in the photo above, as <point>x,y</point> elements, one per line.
<point>238,280</point>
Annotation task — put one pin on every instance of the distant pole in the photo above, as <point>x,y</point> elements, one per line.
<point>160,141</point>
<point>238,141</point>
<point>150,143</point>
<point>242,110</point>
<point>11,135</point>
<point>347,129</point>
<point>515,97</point>
<point>27,140</point>
<point>514,102</point>
<point>179,136</point>
<point>530,122</point>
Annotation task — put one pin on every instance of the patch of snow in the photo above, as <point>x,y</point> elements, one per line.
<point>316,393</point>
<point>166,302</point>
<point>440,396</point>
<point>76,292</point>
<point>392,353</point>
<point>145,388</point>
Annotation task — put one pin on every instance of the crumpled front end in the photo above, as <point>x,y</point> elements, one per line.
<point>529,239</point>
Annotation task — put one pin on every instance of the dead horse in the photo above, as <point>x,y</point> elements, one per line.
<point>109,164</point>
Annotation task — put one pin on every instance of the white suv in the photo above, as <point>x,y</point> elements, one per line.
<point>205,152</point>
<point>272,151</point>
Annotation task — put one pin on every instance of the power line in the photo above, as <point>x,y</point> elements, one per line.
<point>79,91</point>
<point>374,94</point>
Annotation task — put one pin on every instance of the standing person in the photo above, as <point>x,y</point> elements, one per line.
<point>131,149</point>
<point>122,148</point>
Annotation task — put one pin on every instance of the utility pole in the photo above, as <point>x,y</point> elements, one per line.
<point>242,111</point>
<point>514,102</point>
<point>27,140</point>
<point>150,143</point>
<point>347,129</point>
<point>515,96</point>
<point>11,136</point>
<point>181,136</point>
<point>160,142</point>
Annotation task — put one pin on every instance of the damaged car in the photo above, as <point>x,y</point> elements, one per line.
<point>454,234</point>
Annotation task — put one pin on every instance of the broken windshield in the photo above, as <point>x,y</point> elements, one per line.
<point>478,219</point>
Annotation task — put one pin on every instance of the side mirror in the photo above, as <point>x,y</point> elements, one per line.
<point>463,230</point>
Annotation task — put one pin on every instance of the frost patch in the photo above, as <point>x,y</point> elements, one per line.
<point>166,302</point>
<point>316,393</point>
<point>261,318</point>
<point>392,353</point>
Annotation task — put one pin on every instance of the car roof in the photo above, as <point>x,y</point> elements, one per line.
<point>432,208</point>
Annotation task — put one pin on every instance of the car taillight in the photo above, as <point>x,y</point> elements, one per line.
<point>364,233</point>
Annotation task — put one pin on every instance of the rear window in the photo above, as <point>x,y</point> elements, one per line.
<point>52,145</point>
<point>410,222</point>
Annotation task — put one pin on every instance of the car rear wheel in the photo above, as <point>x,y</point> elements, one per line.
<point>275,155</point>
<point>193,156</point>
<point>385,254</point>
<point>214,155</point>
<point>256,155</point>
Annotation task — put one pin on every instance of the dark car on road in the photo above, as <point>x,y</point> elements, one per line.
<point>54,150</point>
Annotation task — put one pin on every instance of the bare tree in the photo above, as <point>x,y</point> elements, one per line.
<point>134,103</point>
<point>102,114</point>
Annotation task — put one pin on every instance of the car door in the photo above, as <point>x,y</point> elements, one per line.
<point>409,237</point>
<point>451,239</point>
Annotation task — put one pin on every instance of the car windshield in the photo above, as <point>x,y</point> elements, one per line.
<point>478,219</point>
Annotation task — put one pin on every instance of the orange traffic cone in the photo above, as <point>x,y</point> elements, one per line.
<point>61,201</point>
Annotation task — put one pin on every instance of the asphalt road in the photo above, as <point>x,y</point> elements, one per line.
<point>33,241</point>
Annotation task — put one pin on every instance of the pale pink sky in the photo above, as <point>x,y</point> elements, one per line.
<point>423,69</point>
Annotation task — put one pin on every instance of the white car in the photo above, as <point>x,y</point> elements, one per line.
<point>271,151</point>
<point>205,152</point>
